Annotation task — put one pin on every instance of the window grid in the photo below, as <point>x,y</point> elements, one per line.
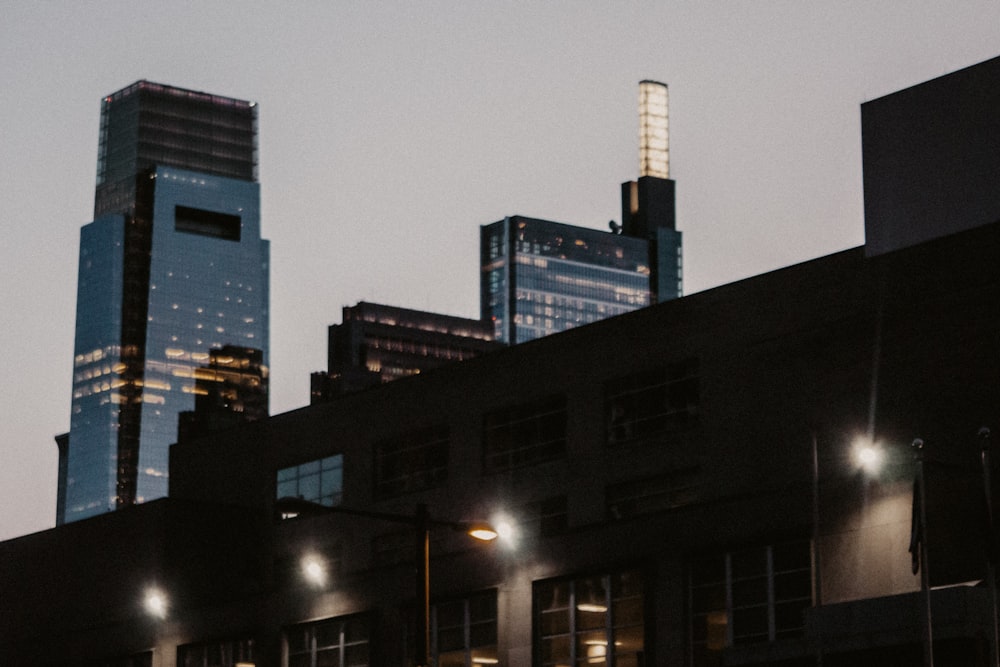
<point>596,620</point>
<point>525,434</point>
<point>216,654</point>
<point>464,632</point>
<point>411,462</point>
<point>337,642</point>
<point>320,481</point>
<point>754,595</point>
<point>649,405</point>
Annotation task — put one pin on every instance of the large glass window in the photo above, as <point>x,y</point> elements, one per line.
<point>596,620</point>
<point>757,594</point>
<point>525,434</point>
<point>464,632</point>
<point>320,481</point>
<point>335,642</point>
<point>647,406</point>
<point>217,654</point>
<point>411,462</point>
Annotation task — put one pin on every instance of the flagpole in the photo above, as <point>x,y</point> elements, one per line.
<point>925,581</point>
<point>991,572</point>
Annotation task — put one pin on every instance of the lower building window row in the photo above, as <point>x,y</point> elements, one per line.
<point>750,595</point>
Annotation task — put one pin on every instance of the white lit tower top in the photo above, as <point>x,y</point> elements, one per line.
<point>654,137</point>
<point>648,207</point>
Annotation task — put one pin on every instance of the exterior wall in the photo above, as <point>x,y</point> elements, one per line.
<point>822,352</point>
<point>930,158</point>
<point>758,376</point>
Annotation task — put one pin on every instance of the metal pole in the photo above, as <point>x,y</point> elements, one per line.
<point>423,587</point>
<point>817,560</point>
<point>925,581</point>
<point>991,570</point>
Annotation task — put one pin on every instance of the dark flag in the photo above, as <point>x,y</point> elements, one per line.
<point>951,530</point>
<point>916,526</point>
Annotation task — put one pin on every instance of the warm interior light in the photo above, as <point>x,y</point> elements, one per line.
<point>598,608</point>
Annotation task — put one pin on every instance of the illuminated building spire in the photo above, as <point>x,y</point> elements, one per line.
<point>654,138</point>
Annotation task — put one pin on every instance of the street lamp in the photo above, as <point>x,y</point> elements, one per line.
<point>421,522</point>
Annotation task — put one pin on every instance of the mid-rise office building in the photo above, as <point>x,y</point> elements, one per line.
<point>375,343</point>
<point>172,267</point>
<point>539,277</point>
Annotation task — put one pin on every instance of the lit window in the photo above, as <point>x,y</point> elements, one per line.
<point>217,654</point>
<point>337,641</point>
<point>595,620</point>
<point>464,632</point>
<point>754,595</point>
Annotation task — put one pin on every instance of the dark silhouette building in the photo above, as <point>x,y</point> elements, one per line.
<point>171,268</point>
<point>230,389</point>
<point>375,343</point>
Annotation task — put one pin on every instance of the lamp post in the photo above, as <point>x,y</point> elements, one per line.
<point>421,522</point>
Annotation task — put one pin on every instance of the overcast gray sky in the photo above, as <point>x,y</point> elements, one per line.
<point>390,131</point>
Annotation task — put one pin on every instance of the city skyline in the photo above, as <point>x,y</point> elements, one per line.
<point>387,145</point>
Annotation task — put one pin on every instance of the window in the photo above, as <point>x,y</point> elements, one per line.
<point>652,404</point>
<point>320,481</point>
<point>412,462</point>
<point>668,490</point>
<point>752,595</point>
<point>525,434</point>
<point>336,642</point>
<point>217,654</point>
<point>596,620</point>
<point>464,632</point>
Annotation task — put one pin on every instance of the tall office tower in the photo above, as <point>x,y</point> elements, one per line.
<point>648,204</point>
<point>172,268</point>
<point>539,277</point>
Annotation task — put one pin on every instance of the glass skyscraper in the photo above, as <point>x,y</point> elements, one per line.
<point>539,277</point>
<point>172,268</point>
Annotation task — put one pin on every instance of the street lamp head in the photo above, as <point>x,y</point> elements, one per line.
<point>482,531</point>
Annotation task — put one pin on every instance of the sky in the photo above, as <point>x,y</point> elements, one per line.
<point>390,131</point>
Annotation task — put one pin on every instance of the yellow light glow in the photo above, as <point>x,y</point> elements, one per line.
<point>596,608</point>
